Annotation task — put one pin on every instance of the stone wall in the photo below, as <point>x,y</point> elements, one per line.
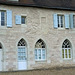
<point>39,25</point>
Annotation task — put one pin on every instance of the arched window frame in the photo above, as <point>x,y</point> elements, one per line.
<point>1,57</point>
<point>40,52</point>
<point>21,50</point>
<point>66,50</point>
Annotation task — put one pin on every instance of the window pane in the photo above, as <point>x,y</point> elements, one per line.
<point>2,18</point>
<point>69,55</point>
<point>43,56</point>
<point>35,53</point>
<point>66,55</point>
<point>69,51</point>
<point>23,20</point>
<point>62,55</point>
<point>19,58</point>
<point>74,21</point>
<point>21,53</point>
<point>65,51</point>
<point>62,51</point>
<point>39,53</point>
<point>60,21</point>
<point>43,53</point>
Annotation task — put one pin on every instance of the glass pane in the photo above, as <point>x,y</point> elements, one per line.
<point>19,58</point>
<point>69,55</point>
<point>43,53</point>
<point>69,51</point>
<point>24,58</point>
<point>35,53</point>
<point>21,53</point>
<point>62,51</point>
<point>74,21</point>
<point>62,55</point>
<point>24,54</point>
<point>39,53</point>
<point>2,18</point>
<point>66,55</point>
<point>43,56</point>
<point>23,20</point>
<point>65,51</point>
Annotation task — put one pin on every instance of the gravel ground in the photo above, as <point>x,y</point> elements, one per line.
<point>49,71</point>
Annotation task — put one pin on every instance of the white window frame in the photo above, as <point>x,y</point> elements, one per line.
<point>41,55</point>
<point>22,55</point>
<point>25,20</point>
<point>4,18</point>
<point>59,20</point>
<point>67,54</point>
<point>74,21</point>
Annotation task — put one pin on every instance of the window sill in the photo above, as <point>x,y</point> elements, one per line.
<point>67,59</point>
<point>61,28</point>
<point>40,60</point>
<point>23,25</point>
<point>72,29</point>
<point>2,27</point>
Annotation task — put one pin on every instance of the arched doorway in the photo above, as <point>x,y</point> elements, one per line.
<point>1,56</point>
<point>22,55</point>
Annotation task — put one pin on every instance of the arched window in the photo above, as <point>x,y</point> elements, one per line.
<point>1,57</point>
<point>0,46</point>
<point>66,50</point>
<point>40,50</point>
<point>22,55</point>
<point>21,50</point>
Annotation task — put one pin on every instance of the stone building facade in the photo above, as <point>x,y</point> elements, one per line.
<point>33,37</point>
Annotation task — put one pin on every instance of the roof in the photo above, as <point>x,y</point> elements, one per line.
<point>54,4</point>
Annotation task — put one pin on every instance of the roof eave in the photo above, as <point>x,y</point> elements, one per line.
<point>39,6</point>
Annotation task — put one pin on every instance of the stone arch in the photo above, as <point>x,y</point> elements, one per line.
<point>1,57</point>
